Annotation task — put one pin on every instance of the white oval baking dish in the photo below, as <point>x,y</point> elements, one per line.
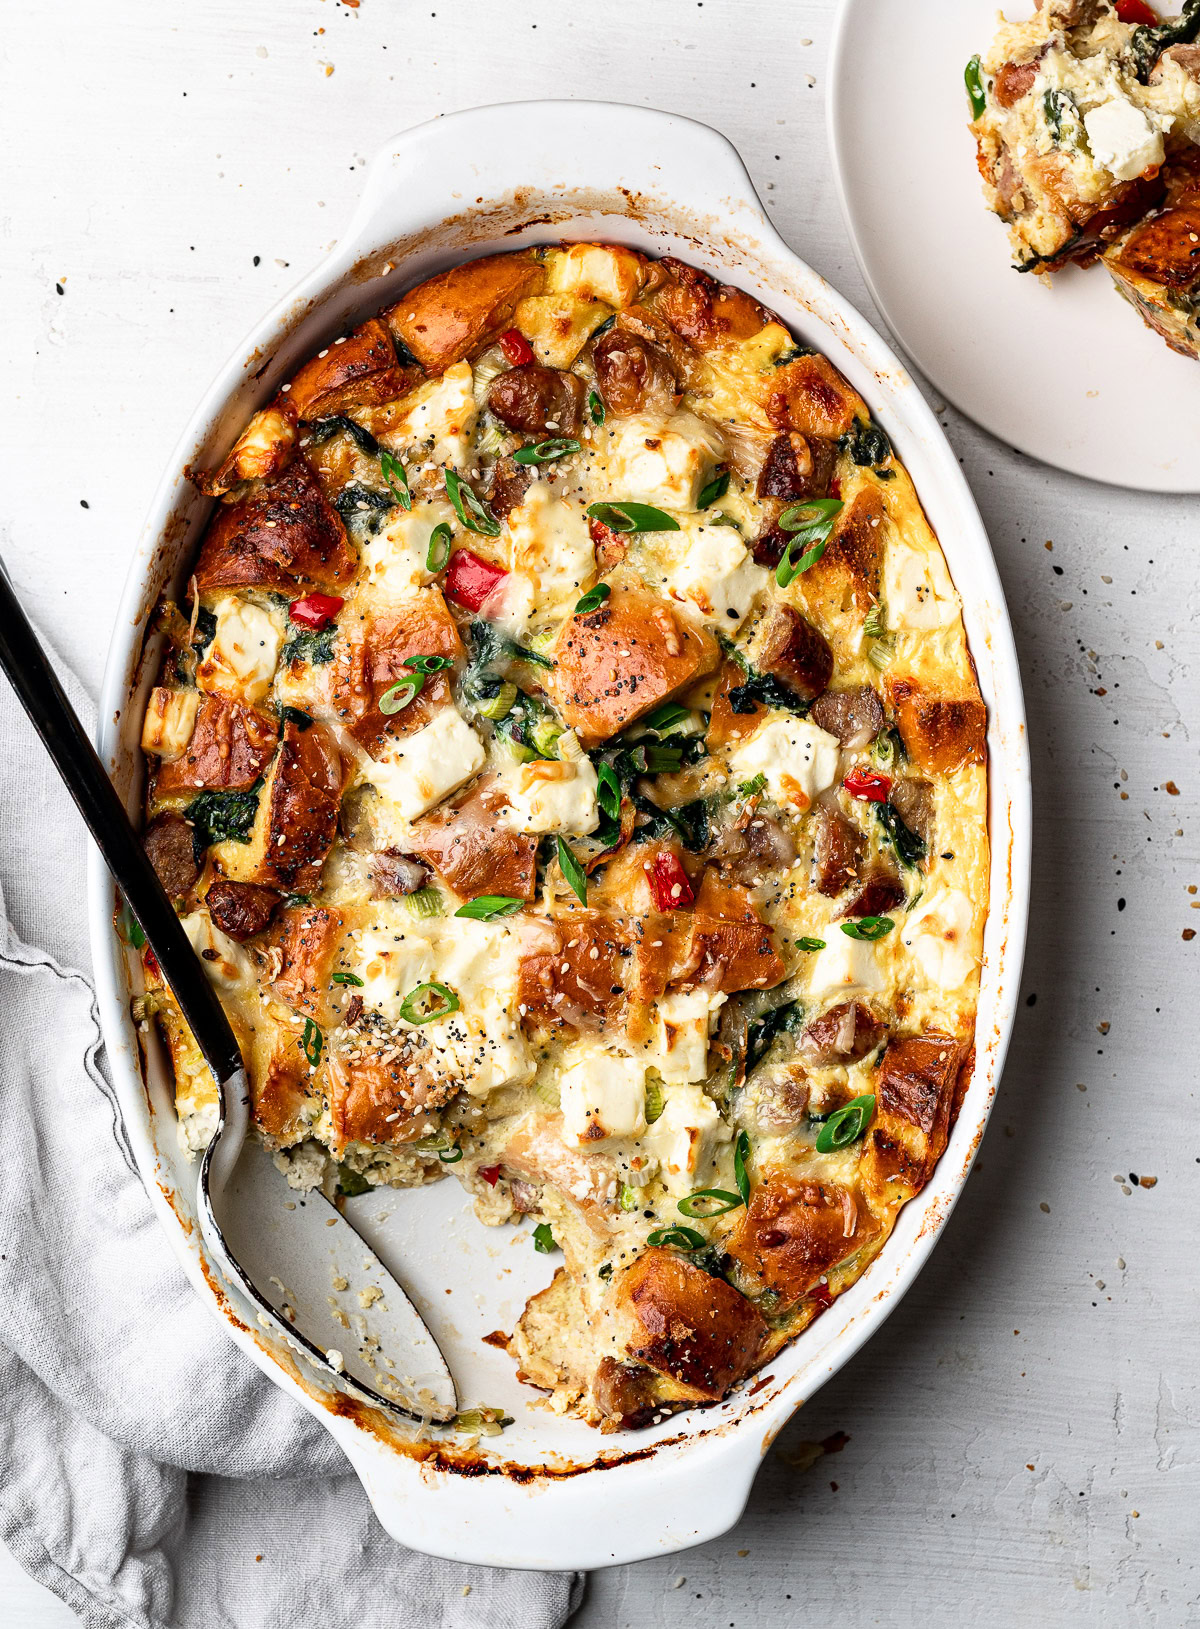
<point>551,1492</point>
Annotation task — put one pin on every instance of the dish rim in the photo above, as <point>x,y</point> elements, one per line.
<point>532,1519</point>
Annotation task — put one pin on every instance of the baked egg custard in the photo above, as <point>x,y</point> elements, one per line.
<point>568,762</point>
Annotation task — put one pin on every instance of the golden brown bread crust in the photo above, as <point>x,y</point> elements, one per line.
<point>307,939</point>
<point>473,851</point>
<point>848,573</point>
<point>458,311</point>
<point>279,1091</point>
<point>940,733</point>
<point>811,396</point>
<point>284,534</point>
<point>373,659</point>
<point>916,1098</point>
<point>359,371</point>
<point>696,1332</point>
<point>704,312</point>
<point>230,748</point>
<point>616,664</point>
<point>794,1233</point>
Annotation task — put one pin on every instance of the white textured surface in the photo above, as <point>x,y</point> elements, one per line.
<point>150,205</point>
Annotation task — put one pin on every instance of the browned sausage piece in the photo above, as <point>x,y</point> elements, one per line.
<point>168,843</point>
<point>537,399</point>
<point>241,909</point>
<point>854,716</point>
<point>394,874</point>
<point>838,850</point>
<point>624,1392</point>
<point>794,651</point>
<point>787,468</point>
<point>635,373</point>
<point>844,1034</point>
<point>881,892</point>
<point>1013,81</point>
<point>707,313</point>
<point>510,482</point>
<point>912,800</point>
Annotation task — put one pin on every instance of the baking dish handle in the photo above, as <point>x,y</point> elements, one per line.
<point>478,170</point>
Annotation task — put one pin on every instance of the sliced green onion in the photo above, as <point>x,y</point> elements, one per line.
<point>501,704</point>
<point>544,452</point>
<point>875,627</point>
<point>809,943</point>
<point>750,789</point>
<point>425,902</point>
<point>629,1197</point>
<point>543,1239</point>
<point>883,749</point>
<point>429,664</point>
<point>741,1153</point>
<point>716,488</point>
<point>882,654</point>
<point>973,79</point>
<point>490,907</point>
<point>416,1009</point>
<point>655,1101</point>
<point>347,978</point>
<point>438,552</point>
<point>608,791</point>
<point>810,516</point>
<point>723,518</point>
<point>396,476</point>
<point>632,517</point>
<point>572,871</point>
<point>311,1042</point>
<point>352,1183</point>
<point>592,600</point>
<point>595,407</point>
<point>397,696</point>
<point>665,717</point>
<point>846,1125</point>
<point>682,1238</point>
<point>707,1202</point>
<point>810,523</point>
<point>451,1155</point>
<point>471,510</point>
<point>869,927</point>
<point>131,930</point>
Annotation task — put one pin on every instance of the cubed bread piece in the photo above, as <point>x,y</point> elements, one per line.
<point>263,449</point>
<point>1156,267</point>
<point>704,312</point>
<point>919,1084</point>
<point>619,662</point>
<point>573,976</point>
<point>795,1232</point>
<point>307,939</point>
<point>458,311</point>
<point>283,535</point>
<point>297,815</point>
<point>372,660</point>
<point>474,851</point>
<point>359,371</point>
<point>848,573</point>
<point>697,1333</point>
<point>940,733</point>
<point>230,747</point>
<point>811,396</point>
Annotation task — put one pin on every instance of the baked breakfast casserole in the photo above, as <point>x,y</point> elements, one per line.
<point>1086,119</point>
<point>568,762</point>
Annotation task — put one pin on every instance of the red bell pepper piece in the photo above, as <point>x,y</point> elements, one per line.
<point>860,783</point>
<point>315,611</point>
<point>669,882</point>
<point>1136,11</point>
<point>490,1174</point>
<point>470,579</point>
<point>516,348</point>
<point>835,488</point>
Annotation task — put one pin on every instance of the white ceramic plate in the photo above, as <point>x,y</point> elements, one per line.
<point>551,1492</point>
<point>1067,373</point>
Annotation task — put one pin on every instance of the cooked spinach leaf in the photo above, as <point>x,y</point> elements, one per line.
<point>491,648</point>
<point>909,847</point>
<point>308,644</point>
<point>220,817</point>
<point>785,1019</point>
<point>320,430</point>
<point>867,443</point>
<point>1148,42</point>
<point>363,509</point>
<point>767,689</point>
<point>294,715</point>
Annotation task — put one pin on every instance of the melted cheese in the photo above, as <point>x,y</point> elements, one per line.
<point>242,655</point>
<point>169,721</point>
<point>551,547</point>
<point>441,417</point>
<point>940,936</point>
<point>712,569</point>
<point>603,1094</point>
<point>797,759</point>
<point>396,559</point>
<point>551,796</point>
<point>664,462</point>
<point>684,1020</point>
<point>685,1138</point>
<point>419,770</point>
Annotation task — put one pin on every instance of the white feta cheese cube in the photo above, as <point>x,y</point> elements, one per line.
<point>396,558</point>
<point>679,1050</point>
<point>551,545</point>
<point>712,568</point>
<point>1122,139</point>
<point>551,796</point>
<point>169,721</point>
<point>603,1094</point>
<point>392,959</point>
<point>438,418</point>
<point>917,590</point>
<point>596,271</point>
<point>665,462</point>
<point>939,935</point>
<point>685,1138</point>
<point>845,967</point>
<point>241,657</point>
<point>797,759</point>
<point>421,769</point>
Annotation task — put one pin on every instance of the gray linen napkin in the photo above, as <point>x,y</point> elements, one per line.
<point>149,1474</point>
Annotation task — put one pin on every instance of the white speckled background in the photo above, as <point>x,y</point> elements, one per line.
<point>1020,1441</point>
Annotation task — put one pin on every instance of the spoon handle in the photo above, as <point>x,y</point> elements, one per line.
<point>52,716</point>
